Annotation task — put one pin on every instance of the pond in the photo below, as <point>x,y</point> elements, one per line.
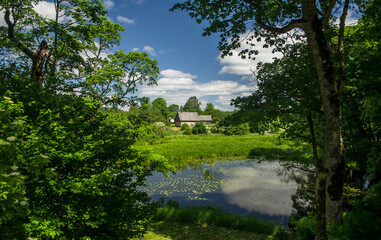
<point>245,187</point>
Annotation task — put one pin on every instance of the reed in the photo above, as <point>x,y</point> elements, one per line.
<point>211,216</point>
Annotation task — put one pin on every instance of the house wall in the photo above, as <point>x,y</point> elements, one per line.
<point>190,124</point>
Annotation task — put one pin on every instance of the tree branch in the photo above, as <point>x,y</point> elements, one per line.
<point>11,35</point>
<point>342,72</point>
<point>296,23</point>
<point>327,12</point>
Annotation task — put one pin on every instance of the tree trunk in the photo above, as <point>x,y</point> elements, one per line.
<point>39,61</point>
<point>320,195</point>
<point>333,145</point>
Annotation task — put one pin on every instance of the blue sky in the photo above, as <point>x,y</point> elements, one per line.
<point>190,64</point>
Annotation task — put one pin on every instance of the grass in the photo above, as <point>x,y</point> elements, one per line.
<point>162,230</point>
<point>172,223</point>
<point>181,149</point>
<point>210,216</point>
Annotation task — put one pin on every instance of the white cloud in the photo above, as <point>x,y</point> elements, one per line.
<point>108,4</point>
<point>171,73</point>
<point>149,50</point>
<point>138,2</point>
<point>176,87</point>
<point>236,65</point>
<point>125,20</point>
<point>46,9</point>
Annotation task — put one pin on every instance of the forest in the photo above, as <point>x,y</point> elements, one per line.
<point>77,144</point>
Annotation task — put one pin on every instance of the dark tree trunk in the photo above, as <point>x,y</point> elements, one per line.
<point>320,197</point>
<point>39,62</point>
<point>333,145</point>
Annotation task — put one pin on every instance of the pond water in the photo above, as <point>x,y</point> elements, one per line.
<point>262,189</point>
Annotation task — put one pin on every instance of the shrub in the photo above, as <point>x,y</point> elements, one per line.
<point>305,228</point>
<point>365,219</point>
<point>184,126</point>
<point>187,131</point>
<point>199,128</point>
<point>66,172</point>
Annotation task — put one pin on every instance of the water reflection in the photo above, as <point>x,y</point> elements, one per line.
<point>262,189</point>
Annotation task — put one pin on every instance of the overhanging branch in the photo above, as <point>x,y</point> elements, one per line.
<point>296,23</point>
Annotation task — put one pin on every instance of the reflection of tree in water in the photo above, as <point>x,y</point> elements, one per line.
<point>303,200</point>
<point>289,172</point>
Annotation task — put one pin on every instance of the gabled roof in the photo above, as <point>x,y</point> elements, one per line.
<point>193,117</point>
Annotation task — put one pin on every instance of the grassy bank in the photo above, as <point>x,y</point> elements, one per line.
<point>177,231</point>
<point>193,148</point>
<point>206,223</point>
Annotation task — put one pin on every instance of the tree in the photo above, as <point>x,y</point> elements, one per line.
<point>217,115</point>
<point>288,97</point>
<point>161,104</point>
<point>173,109</point>
<point>268,20</point>
<point>67,170</point>
<point>209,109</point>
<point>192,105</point>
<point>68,52</point>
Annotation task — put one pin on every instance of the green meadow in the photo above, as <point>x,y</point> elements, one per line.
<point>188,149</point>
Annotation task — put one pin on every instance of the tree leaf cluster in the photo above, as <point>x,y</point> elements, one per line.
<point>68,168</point>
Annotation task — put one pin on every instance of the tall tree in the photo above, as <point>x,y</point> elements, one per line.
<point>66,170</point>
<point>173,109</point>
<point>288,97</point>
<point>71,50</point>
<point>268,20</point>
<point>161,104</point>
<point>192,105</point>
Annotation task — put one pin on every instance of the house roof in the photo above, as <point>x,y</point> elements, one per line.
<point>193,117</point>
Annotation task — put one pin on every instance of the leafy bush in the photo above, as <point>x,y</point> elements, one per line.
<point>278,234</point>
<point>184,126</point>
<point>159,128</point>
<point>199,128</point>
<point>365,220</point>
<point>187,131</point>
<point>305,228</point>
<point>240,129</point>
<point>66,172</point>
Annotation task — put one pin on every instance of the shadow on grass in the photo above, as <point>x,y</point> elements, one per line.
<point>163,230</point>
<point>287,154</point>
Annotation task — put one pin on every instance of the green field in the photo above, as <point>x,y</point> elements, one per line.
<point>183,149</point>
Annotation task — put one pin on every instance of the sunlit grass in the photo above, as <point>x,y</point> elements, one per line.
<point>182,150</point>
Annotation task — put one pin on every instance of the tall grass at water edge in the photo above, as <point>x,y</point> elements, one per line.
<point>210,216</point>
